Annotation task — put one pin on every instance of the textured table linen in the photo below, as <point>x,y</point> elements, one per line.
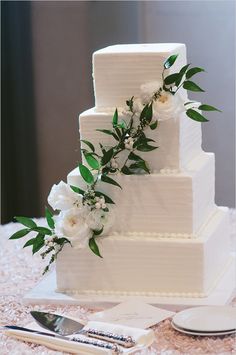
<point>19,273</point>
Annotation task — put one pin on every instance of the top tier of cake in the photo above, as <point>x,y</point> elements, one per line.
<point>120,70</point>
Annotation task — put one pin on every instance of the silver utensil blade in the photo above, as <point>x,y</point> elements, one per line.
<point>57,324</point>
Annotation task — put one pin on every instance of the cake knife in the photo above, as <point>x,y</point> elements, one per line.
<point>66,326</point>
<point>115,349</point>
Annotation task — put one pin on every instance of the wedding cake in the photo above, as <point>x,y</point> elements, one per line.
<point>138,216</point>
<point>166,235</point>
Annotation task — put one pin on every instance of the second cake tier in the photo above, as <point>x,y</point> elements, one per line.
<point>170,203</point>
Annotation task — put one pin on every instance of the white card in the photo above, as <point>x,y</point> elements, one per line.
<point>134,314</point>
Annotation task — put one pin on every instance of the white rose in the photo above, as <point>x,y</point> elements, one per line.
<point>167,106</point>
<point>97,219</point>
<point>71,225</point>
<point>62,197</point>
<point>147,91</point>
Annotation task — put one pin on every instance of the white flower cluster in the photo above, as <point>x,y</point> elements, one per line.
<point>114,164</point>
<point>77,221</point>
<point>100,203</point>
<point>129,142</point>
<point>49,240</point>
<point>165,105</point>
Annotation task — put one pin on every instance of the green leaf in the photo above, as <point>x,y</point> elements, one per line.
<point>62,241</point>
<point>149,113</point>
<point>89,144</point>
<point>38,243</point>
<point>21,233</point>
<point>94,247</point>
<point>28,222</point>
<point>193,71</point>
<point>92,161</point>
<point>86,174</point>
<point>134,157</point>
<point>107,157</point>
<point>181,74</point>
<point>140,165</point>
<point>196,116</point>
<point>109,180</point>
<point>205,107</point>
<point>143,113</point>
<point>115,118</point>
<point>142,140</point>
<point>106,170</point>
<point>171,79</point>
<point>130,103</point>
<point>102,148</point>
<point>77,190</point>
<point>122,125</point>
<point>145,148</point>
<point>170,61</point>
<point>106,198</point>
<point>118,132</point>
<point>49,218</point>
<point>42,230</point>
<point>190,85</point>
<point>109,132</point>
<point>189,102</point>
<point>125,170</point>
<point>154,125</point>
<point>146,113</point>
<point>98,232</point>
<point>29,242</point>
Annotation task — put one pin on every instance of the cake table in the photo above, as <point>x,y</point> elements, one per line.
<point>20,272</point>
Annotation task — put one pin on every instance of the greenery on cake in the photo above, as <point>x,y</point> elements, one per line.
<point>85,214</point>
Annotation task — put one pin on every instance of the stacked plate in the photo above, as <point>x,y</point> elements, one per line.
<point>206,321</point>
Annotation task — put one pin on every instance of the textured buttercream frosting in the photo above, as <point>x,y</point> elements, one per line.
<point>169,238</point>
<point>120,70</point>
<point>149,266</point>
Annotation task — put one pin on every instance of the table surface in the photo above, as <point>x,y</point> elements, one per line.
<point>19,273</point>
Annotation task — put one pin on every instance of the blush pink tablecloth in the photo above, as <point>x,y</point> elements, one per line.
<point>19,272</point>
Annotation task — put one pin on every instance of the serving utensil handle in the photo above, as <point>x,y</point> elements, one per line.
<point>115,349</point>
<point>125,340</point>
<point>101,344</point>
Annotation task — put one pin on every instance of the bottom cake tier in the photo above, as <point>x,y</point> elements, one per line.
<point>146,265</point>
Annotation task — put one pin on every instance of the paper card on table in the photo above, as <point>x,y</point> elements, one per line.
<point>134,314</point>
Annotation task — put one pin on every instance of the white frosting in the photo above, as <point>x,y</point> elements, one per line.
<point>179,140</point>
<point>120,70</point>
<point>175,203</point>
<point>169,238</point>
<point>150,266</point>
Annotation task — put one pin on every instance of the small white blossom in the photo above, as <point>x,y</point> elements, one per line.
<point>129,142</point>
<point>62,197</point>
<point>71,225</point>
<point>100,203</point>
<point>48,238</point>
<point>114,163</point>
<point>98,219</point>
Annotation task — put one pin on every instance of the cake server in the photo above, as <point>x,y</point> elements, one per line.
<point>115,349</point>
<point>66,326</point>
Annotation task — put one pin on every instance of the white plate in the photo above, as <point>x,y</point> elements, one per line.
<point>202,334</point>
<point>207,319</point>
